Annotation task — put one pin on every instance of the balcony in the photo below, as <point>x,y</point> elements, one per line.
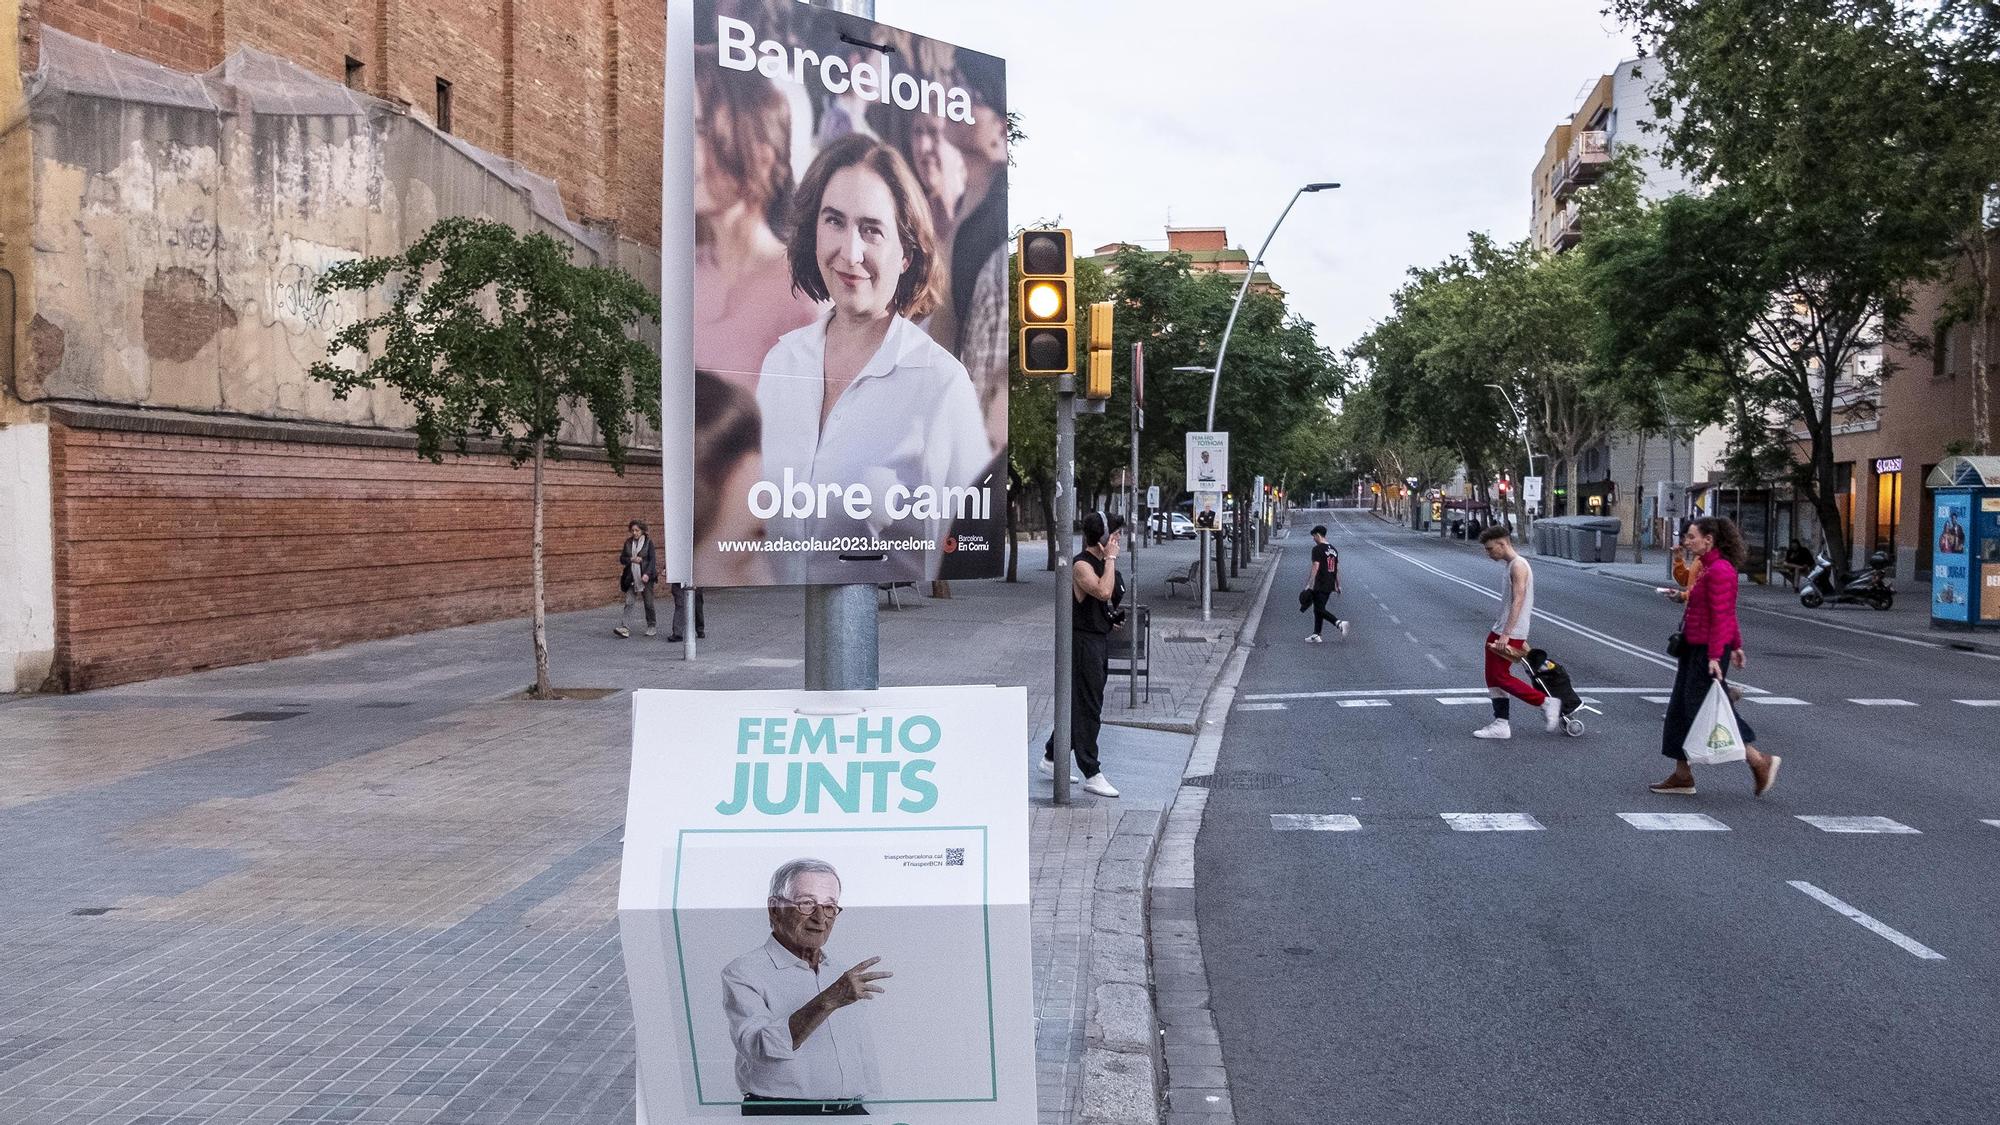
<point>1589,154</point>
<point>1566,229</point>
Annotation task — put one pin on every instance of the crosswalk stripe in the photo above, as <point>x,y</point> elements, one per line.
<point>1314,822</point>
<point>1492,822</point>
<point>1461,700</point>
<point>1657,698</point>
<point>1883,702</point>
<point>1364,703</point>
<point>1864,825</point>
<point>1994,823</point>
<point>1260,707</point>
<point>1776,701</point>
<point>1979,702</point>
<point>1673,822</point>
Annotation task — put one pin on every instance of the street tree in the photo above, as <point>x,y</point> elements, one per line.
<point>1961,43</point>
<point>1814,131</point>
<point>491,335</point>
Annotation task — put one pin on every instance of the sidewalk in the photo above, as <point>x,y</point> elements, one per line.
<point>370,885</point>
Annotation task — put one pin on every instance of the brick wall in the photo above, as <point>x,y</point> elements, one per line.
<point>571,89</point>
<point>181,551</point>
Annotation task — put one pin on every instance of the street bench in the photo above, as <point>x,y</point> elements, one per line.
<point>1175,581</point>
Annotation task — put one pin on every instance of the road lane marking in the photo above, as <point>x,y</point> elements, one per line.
<point>1492,822</point>
<point>1842,628</point>
<point>1314,822</point>
<point>1979,702</point>
<point>1462,700</point>
<point>1673,822</point>
<point>1412,636</point>
<point>1864,825</point>
<point>1776,701</point>
<point>1901,940</point>
<point>1364,703</point>
<point>1879,702</point>
<point>1657,698</point>
<point>1260,707</point>
<point>1393,619</point>
<point>1432,657</point>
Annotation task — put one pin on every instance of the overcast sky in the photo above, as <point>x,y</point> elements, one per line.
<point>1432,113</point>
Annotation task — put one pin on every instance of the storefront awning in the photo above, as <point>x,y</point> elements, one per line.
<point>1965,472</point>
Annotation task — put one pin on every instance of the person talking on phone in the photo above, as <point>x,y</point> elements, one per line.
<point>1099,591</point>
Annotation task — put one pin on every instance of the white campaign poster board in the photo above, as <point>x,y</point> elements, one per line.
<point>915,797</point>
<point>1208,461</point>
<point>1152,497</point>
<point>1531,491</point>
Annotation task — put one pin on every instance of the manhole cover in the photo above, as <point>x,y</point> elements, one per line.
<point>1240,779</point>
<point>260,716</point>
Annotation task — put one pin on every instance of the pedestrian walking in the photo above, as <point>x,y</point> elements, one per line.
<point>638,569</point>
<point>1507,644</point>
<point>1323,582</point>
<point>1711,640</point>
<point>1099,591</point>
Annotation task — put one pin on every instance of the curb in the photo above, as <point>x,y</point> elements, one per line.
<point>1123,1063</point>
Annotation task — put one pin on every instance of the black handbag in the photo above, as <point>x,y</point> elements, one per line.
<point>1677,642</point>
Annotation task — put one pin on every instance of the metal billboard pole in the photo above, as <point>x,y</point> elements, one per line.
<point>843,639</point>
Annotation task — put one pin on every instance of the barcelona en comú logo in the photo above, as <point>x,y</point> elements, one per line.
<point>1719,738</point>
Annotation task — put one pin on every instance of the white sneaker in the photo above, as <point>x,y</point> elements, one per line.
<point>620,631</point>
<point>1100,785</point>
<point>1552,714</point>
<point>1343,627</point>
<point>652,632</point>
<point>1315,639</point>
<point>1498,728</point>
<point>1049,770</point>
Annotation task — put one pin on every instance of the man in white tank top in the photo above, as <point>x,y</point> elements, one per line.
<point>1507,644</point>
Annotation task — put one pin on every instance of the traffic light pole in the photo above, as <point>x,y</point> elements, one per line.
<point>1065,600</point>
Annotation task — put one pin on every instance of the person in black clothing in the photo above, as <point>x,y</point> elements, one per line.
<point>638,569</point>
<point>1099,590</point>
<point>1324,582</point>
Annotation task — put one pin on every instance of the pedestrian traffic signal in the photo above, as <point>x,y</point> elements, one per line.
<point>1097,383</point>
<point>1047,302</point>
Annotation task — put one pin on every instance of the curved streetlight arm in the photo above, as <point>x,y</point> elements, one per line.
<point>1249,274</point>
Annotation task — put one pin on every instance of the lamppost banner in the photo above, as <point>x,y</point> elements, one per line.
<point>824,904</point>
<point>1208,461</point>
<point>850,313</point>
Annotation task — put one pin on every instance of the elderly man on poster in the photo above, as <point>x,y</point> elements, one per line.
<point>803,1046</point>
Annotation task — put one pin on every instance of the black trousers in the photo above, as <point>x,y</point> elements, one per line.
<point>1321,614</point>
<point>1089,665</point>
<point>1691,687</point>
<point>754,1106</point>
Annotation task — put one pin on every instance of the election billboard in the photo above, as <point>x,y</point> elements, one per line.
<point>824,905</point>
<point>836,387</point>
<point>1951,562</point>
<point>1207,461</point>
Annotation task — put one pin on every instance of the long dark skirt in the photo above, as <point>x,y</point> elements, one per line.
<point>1691,684</point>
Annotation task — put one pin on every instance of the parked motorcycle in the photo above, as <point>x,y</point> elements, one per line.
<point>1871,589</point>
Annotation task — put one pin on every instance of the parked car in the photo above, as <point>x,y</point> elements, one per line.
<point>1172,525</point>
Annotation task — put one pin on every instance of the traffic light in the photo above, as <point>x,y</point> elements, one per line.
<point>1503,486</point>
<point>1047,302</point>
<point>1098,382</point>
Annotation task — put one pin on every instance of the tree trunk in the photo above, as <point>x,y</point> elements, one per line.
<point>1639,504</point>
<point>1982,324</point>
<point>1013,525</point>
<point>1575,497</point>
<point>543,690</point>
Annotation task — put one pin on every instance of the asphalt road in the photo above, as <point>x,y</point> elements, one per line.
<point>1585,969</point>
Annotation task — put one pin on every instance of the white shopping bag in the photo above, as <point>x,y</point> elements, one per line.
<point>1714,738</point>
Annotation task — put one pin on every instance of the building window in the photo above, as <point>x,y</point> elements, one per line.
<point>444,106</point>
<point>1888,508</point>
<point>353,78</point>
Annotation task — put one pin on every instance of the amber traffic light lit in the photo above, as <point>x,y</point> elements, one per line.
<point>1047,302</point>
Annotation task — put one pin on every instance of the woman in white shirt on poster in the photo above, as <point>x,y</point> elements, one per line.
<point>862,396</point>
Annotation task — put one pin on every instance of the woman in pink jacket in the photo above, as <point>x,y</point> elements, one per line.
<point>1713,640</point>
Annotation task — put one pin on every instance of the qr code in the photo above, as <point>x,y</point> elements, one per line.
<point>954,857</point>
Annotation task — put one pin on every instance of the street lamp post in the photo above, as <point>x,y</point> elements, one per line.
<point>1521,424</point>
<point>1222,350</point>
